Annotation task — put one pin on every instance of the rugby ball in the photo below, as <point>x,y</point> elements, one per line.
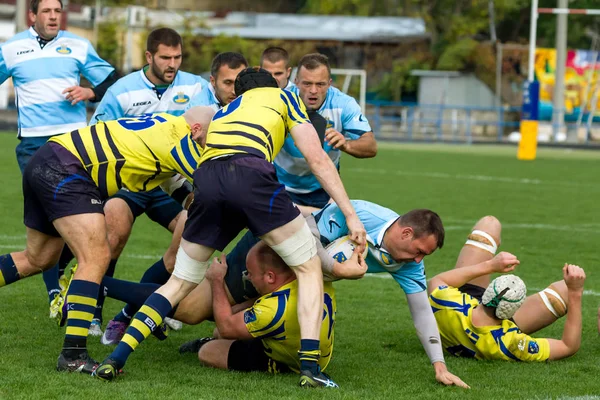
<point>342,248</point>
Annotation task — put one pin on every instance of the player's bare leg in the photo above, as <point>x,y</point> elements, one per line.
<point>481,246</point>
<point>215,353</point>
<point>41,253</point>
<point>86,235</point>
<point>543,308</point>
<point>119,221</point>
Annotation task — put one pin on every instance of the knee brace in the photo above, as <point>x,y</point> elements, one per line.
<point>298,248</point>
<point>188,269</point>
<point>482,240</point>
<point>553,301</point>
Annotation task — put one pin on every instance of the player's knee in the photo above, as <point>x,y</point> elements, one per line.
<point>208,355</point>
<point>486,234</point>
<point>299,248</point>
<point>555,298</point>
<point>188,269</point>
<point>41,261</point>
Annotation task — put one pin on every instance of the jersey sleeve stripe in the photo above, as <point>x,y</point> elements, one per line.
<point>289,110</point>
<point>194,146</point>
<point>179,162</point>
<point>120,159</point>
<point>80,147</point>
<point>187,153</point>
<point>102,162</point>
<point>295,105</point>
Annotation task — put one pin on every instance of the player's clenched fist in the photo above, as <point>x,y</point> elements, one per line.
<point>574,276</point>
<point>504,262</point>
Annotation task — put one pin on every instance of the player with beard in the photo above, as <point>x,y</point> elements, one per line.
<point>156,88</point>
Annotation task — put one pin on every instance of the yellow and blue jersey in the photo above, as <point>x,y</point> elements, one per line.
<point>255,123</point>
<point>134,153</point>
<point>274,319</point>
<point>453,312</point>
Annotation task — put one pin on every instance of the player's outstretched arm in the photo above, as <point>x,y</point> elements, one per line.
<point>503,262</point>
<point>230,325</point>
<point>574,277</point>
<point>429,335</point>
<point>322,167</point>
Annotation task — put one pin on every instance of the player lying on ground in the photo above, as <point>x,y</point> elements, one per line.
<point>264,335</point>
<point>495,323</point>
<point>64,185</point>
<point>397,245</point>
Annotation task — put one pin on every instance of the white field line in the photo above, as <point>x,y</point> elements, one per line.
<point>383,275</point>
<point>484,178</point>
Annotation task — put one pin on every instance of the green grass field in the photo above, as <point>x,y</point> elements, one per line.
<point>549,209</point>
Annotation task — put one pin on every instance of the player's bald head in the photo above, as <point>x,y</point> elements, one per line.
<point>266,258</point>
<point>199,115</point>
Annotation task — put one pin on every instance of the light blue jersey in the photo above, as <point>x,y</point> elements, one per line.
<point>376,219</point>
<point>41,74</point>
<point>135,95</point>
<point>343,114</point>
<point>206,97</point>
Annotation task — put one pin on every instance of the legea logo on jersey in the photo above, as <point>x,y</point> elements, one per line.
<point>181,98</point>
<point>63,49</point>
<point>330,124</point>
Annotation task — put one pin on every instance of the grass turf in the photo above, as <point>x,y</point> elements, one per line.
<point>550,216</point>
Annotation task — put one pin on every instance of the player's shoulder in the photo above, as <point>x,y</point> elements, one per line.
<point>128,83</point>
<point>374,208</point>
<point>338,99</point>
<point>445,292</point>
<point>19,36</point>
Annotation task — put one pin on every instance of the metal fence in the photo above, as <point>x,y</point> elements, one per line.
<point>449,123</point>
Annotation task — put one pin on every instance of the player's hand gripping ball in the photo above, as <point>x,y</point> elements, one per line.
<point>342,248</point>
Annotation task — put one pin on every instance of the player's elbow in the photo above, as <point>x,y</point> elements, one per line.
<point>227,331</point>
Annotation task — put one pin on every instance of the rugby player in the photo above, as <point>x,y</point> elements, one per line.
<point>64,186</point>
<point>45,64</point>
<point>265,336</point>
<point>347,130</point>
<point>493,321</point>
